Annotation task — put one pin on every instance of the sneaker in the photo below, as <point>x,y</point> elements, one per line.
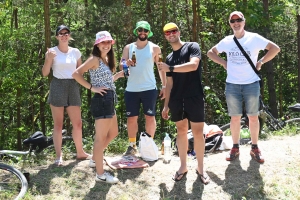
<point>256,155</point>
<point>234,153</point>
<point>106,177</point>
<point>92,163</point>
<point>130,151</point>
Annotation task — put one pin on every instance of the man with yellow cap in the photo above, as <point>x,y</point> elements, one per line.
<point>184,97</point>
<point>141,83</point>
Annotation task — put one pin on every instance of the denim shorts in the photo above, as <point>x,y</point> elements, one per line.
<point>236,94</point>
<point>103,106</point>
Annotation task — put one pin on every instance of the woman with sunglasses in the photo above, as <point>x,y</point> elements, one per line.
<point>101,66</point>
<point>64,91</point>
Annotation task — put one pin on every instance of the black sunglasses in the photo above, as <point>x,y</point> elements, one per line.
<point>64,34</point>
<point>142,29</point>
<point>236,20</point>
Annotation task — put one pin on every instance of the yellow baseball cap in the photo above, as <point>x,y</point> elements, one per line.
<point>170,26</point>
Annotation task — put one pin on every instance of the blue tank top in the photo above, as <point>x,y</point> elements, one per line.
<point>141,76</point>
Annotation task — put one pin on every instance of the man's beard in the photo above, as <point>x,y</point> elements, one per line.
<point>144,38</point>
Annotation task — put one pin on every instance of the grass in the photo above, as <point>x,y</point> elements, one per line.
<point>244,178</point>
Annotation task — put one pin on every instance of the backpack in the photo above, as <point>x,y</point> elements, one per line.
<point>213,136</point>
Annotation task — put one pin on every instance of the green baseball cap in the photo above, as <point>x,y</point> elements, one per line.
<point>145,25</point>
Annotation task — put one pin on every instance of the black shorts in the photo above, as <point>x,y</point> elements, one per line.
<point>191,108</point>
<point>103,106</point>
<point>134,99</point>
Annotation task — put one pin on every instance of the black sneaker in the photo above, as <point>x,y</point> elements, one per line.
<point>130,151</point>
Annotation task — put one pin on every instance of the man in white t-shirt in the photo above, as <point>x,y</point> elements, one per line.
<point>242,83</point>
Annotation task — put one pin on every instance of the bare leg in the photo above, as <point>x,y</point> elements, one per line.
<point>235,128</point>
<point>254,128</point>
<point>74,113</point>
<point>106,131</point>
<point>182,144</point>
<point>199,144</point>
<point>58,117</point>
<point>132,126</point>
<point>150,125</point>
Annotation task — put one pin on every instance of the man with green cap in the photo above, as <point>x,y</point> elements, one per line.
<point>141,83</point>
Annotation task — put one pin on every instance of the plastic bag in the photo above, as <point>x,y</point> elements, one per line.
<point>147,147</point>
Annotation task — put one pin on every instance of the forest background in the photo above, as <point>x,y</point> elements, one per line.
<point>27,29</point>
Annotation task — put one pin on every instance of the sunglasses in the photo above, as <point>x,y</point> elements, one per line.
<point>236,20</point>
<point>172,31</point>
<point>64,34</point>
<point>142,29</point>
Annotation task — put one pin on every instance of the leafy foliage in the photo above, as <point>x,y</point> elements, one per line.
<point>23,91</point>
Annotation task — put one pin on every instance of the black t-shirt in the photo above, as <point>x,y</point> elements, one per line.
<point>187,84</point>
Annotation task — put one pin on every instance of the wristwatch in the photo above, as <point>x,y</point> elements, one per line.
<point>261,61</point>
<point>171,68</point>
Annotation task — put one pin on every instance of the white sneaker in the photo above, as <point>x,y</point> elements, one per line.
<point>106,177</point>
<point>92,164</point>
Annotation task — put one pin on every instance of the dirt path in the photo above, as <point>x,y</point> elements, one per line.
<point>277,178</point>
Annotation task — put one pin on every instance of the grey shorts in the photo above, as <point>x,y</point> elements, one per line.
<point>64,92</point>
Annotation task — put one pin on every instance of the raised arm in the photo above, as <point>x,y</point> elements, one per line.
<point>213,54</point>
<point>90,63</point>
<point>162,74</point>
<point>49,56</point>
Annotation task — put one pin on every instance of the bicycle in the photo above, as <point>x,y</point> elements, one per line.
<point>14,183</point>
<point>267,121</point>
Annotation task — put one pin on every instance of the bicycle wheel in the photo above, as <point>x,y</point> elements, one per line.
<point>226,128</point>
<point>13,184</point>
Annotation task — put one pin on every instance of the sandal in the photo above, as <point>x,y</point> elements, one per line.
<point>177,175</point>
<point>204,179</point>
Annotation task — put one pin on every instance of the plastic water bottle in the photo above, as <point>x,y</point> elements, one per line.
<point>167,149</point>
<point>125,67</point>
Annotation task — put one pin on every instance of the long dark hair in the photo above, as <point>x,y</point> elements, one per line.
<point>110,55</point>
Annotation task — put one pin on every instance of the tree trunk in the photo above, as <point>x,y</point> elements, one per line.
<point>195,21</point>
<point>298,39</point>
<point>269,68</point>
<point>188,20</point>
<point>128,23</point>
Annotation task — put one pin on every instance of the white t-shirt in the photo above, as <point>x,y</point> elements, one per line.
<point>64,64</point>
<point>239,71</point>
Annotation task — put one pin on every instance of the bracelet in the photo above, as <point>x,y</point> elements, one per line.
<point>163,86</point>
<point>91,86</point>
<point>261,61</point>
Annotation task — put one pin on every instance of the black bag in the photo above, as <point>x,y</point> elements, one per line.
<point>212,141</point>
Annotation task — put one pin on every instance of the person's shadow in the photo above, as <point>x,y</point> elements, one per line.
<point>179,190</point>
<point>240,183</point>
<point>42,180</point>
